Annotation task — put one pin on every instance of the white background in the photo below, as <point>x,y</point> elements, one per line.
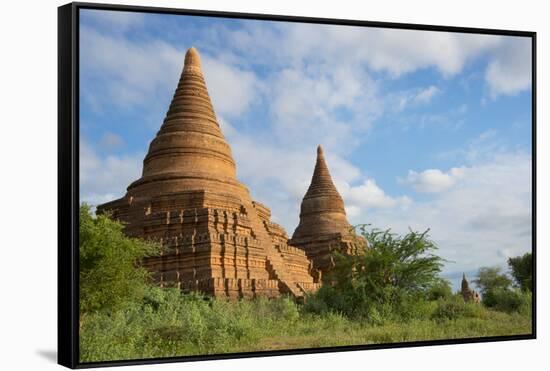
<point>28,182</point>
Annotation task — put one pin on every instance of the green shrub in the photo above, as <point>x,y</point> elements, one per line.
<point>509,300</point>
<point>456,308</point>
<point>491,278</point>
<point>109,277</point>
<point>415,309</point>
<point>171,324</point>
<point>522,271</point>
<point>440,290</point>
<point>383,280</point>
<point>168,321</point>
<point>284,309</point>
<point>315,304</point>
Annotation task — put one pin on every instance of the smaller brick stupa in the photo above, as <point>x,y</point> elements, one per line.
<point>323,223</point>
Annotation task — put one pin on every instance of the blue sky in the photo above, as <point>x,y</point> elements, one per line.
<point>420,129</point>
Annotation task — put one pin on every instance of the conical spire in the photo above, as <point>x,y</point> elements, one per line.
<point>465,285</point>
<point>191,108</point>
<point>322,209</point>
<point>321,181</point>
<point>189,144</point>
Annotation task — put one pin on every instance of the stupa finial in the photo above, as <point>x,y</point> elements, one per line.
<point>192,58</point>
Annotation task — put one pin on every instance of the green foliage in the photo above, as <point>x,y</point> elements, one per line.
<point>381,280</point>
<point>440,290</point>
<point>522,271</point>
<point>491,278</point>
<point>390,292</point>
<point>455,308</point>
<point>498,294</point>
<point>413,308</point>
<point>169,323</point>
<point>109,277</point>
<point>509,300</point>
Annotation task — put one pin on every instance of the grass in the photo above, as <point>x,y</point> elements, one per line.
<point>357,333</point>
<point>170,324</point>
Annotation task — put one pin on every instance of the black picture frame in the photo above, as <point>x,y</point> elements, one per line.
<point>68,180</point>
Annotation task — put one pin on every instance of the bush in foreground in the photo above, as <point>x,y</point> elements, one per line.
<point>109,275</point>
<point>509,300</point>
<point>456,308</point>
<point>169,323</point>
<point>391,278</point>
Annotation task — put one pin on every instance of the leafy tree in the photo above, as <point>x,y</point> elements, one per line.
<point>491,278</point>
<point>508,300</point>
<point>380,279</point>
<point>522,271</point>
<point>440,290</point>
<point>109,274</point>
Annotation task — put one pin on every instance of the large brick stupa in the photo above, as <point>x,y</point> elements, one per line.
<point>216,238</point>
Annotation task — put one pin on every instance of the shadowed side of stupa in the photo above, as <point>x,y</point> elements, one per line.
<point>216,239</point>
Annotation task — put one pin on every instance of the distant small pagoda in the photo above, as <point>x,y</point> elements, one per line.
<point>469,294</point>
<point>216,239</point>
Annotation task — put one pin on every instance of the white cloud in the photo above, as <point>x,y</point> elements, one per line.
<point>111,141</point>
<point>369,195</point>
<point>452,118</point>
<point>433,180</point>
<point>307,82</point>
<point>125,73</point>
<point>509,72</point>
<point>134,74</point>
<point>404,51</point>
<point>412,97</point>
<point>396,52</point>
<point>103,179</point>
<point>426,95</point>
<point>114,21</point>
<point>307,108</point>
<point>232,89</point>
<point>476,221</point>
<point>480,149</point>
